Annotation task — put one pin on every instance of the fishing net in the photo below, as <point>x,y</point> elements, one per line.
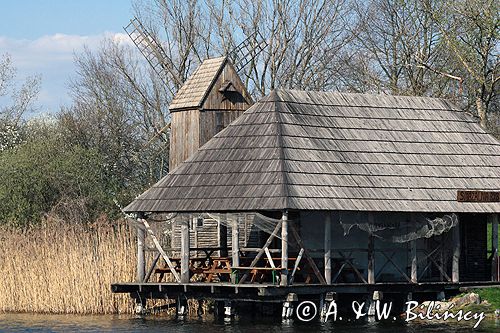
<point>257,220</point>
<point>399,230</point>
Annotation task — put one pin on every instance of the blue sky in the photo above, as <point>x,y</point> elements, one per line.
<point>42,35</point>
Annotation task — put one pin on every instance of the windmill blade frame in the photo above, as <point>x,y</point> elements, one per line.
<point>246,51</point>
<point>151,49</point>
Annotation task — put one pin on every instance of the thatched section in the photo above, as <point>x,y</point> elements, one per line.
<point>332,151</point>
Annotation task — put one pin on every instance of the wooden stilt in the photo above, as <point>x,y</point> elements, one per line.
<point>141,261</point>
<point>455,272</point>
<point>235,247</point>
<point>223,236</point>
<point>328,248</point>
<point>185,252</point>
<point>371,253</point>
<point>284,249</point>
<point>494,247</point>
<point>413,253</point>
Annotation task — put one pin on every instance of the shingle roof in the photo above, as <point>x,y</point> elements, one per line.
<point>192,94</point>
<point>335,151</point>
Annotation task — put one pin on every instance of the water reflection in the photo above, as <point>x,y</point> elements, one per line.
<point>70,323</point>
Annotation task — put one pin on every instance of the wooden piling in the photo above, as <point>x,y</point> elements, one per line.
<point>141,261</point>
<point>235,248</point>
<point>223,236</point>
<point>328,248</point>
<point>371,253</point>
<point>413,253</point>
<point>494,247</point>
<point>185,251</point>
<point>284,249</point>
<point>455,271</point>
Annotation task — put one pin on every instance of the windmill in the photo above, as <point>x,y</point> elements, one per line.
<point>152,50</point>
<point>214,86</point>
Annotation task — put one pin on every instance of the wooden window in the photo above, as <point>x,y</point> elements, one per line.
<point>219,121</point>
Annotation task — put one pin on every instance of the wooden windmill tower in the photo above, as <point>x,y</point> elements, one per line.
<point>211,98</point>
<point>208,101</point>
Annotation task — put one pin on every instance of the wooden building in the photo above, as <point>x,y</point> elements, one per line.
<point>366,192</point>
<point>211,98</point>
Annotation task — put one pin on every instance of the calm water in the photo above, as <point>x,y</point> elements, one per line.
<point>70,323</point>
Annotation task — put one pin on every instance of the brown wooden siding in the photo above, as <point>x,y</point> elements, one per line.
<point>208,235</point>
<point>216,100</point>
<point>212,122</point>
<point>185,131</point>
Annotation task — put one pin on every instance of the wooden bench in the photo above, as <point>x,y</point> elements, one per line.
<point>193,268</point>
<point>218,266</point>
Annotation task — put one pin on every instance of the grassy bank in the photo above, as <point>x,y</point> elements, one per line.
<point>492,295</point>
<point>62,268</point>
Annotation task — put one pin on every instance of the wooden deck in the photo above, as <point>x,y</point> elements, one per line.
<point>276,293</point>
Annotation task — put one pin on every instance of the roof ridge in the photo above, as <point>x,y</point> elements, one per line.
<point>279,132</point>
<point>214,79</point>
<point>177,101</point>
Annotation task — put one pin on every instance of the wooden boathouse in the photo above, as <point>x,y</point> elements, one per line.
<point>307,193</point>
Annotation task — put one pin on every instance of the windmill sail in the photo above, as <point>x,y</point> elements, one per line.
<point>151,49</point>
<point>247,51</point>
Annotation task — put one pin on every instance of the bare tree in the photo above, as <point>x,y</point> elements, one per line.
<point>119,105</point>
<point>470,31</point>
<point>306,38</point>
<point>395,44</point>
<point>18,100</point>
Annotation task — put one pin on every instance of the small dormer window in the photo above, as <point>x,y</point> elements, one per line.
<point>227,87</point>
<point>229,92</point>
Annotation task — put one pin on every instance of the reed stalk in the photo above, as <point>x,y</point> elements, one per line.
<point>57,267</point>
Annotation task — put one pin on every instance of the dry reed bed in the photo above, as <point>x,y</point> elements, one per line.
<point>62,268</point>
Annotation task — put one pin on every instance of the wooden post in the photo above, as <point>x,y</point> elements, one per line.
<point>141,261</point>
<point>455,272</point>
<point>235,248</point>
<point>371,253</point>
<point>185,251</point>
<point>284,249</point>
<point>223,236</point>
<point>494,247</point>
<point>328,248</point>
<point>413,252</point>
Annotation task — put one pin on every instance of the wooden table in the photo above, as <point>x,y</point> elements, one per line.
<point>218,266</point>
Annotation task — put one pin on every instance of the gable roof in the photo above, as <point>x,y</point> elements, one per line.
<point>334,151</point>
<point>192,94</point>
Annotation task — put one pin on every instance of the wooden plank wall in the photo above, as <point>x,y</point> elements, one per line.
<point>184,135</point>
<point>207,236</point>
<point>215,100</point>
<point>213,121</point>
